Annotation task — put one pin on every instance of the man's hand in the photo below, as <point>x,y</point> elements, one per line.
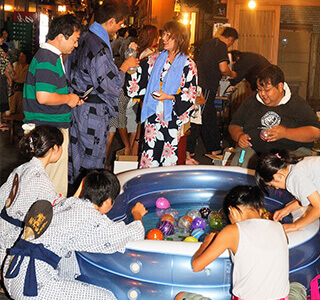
<point>243,140</point>
<point>74,100</point>
<point>130,62</point>
<point>276,133</point>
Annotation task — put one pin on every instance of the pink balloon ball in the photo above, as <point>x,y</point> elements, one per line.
<point>162,203</point>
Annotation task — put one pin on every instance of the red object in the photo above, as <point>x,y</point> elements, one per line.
<point>24,17</point>
<point>182,148</point>
<point>155,234</point>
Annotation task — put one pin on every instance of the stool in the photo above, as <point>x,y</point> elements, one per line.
<point>12,119</point>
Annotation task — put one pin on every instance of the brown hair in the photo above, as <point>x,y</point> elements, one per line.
<point>180,34</point>
<point>147,35</point>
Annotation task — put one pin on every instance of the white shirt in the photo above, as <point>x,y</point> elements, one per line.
<point>261,263</point>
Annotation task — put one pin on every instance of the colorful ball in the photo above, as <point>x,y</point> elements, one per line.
<point>155,234</point>
<point>198,223</point>
<point>197,233</point>
<point>204,211</point>
<point>215,221</point>
<point>162,203</point>
<point>214,214</point>
<point>185,222</point>
<point>160,212</point>
<point>166,227</point>
<point>168,217</point>
<point>194,213</point>
<point>173,212</point>
<point>190,239</point>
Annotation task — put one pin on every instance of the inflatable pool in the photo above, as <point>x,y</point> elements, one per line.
<point>153,269</point>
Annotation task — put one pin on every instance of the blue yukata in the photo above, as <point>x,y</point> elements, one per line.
<point>76,226</point>
<point>91,64</point>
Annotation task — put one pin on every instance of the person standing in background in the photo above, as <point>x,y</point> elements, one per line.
<point>91,65</point>
<point>116,45</point>
<point>46,100</point>
<point>247,65</point>
<point>212,64</point>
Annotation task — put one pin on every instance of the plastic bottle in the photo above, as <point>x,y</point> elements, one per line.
<point>131,52</point>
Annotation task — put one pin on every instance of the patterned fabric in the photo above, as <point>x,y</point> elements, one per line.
<point>4,62</point>
<point>34,184</point>
<point>160,145</point>
<point>76,226</point>
<point>46,74</point>
<point>91,64</point>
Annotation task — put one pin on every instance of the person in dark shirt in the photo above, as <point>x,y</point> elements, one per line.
<point>212,64</point>
<point>247,65</point>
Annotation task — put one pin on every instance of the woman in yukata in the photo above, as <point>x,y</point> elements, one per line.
<point>168,82</point>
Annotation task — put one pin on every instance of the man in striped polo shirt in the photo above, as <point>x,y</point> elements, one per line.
<point>46,99</point>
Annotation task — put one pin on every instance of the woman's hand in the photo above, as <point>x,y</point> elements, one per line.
<point>280,214</point>
<point>163,96</point>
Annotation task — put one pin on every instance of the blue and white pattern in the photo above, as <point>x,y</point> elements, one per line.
<point>76,226</point>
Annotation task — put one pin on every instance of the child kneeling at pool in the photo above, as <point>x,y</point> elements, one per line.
<point>78,224</point>
<point>299,176</point>
<point>258,248</point>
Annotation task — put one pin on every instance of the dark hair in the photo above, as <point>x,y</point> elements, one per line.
<point>111,9</point>
<point>271,74</point>
<point>243,195</point>
<point>133,32</point>
<point>28,55</point>
<point>180,33</point>
<point>270,163</point>
<point>235,54</point>
<point>65,24</point>
<point>147,35</point>
<point>99,185</point>
<point>230,32</point>
<point>7,31</point>
<point>122,31</point>
<point>5,47</point>
<point>40,140</point>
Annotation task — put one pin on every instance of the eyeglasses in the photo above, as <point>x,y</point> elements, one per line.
<point>260,90</point>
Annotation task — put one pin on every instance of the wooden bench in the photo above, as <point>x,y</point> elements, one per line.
<point>11,120</point>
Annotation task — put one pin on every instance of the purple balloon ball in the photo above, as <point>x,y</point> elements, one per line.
<point>198,223</point>
<point>166,227</point>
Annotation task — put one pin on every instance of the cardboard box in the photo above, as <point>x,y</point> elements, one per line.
<point>124,163</point>
<point>223,159</point>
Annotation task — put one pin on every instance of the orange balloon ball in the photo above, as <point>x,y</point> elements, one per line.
<point>168,217</point>
<point>155,234</point>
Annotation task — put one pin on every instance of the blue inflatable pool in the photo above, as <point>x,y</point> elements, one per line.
<point>152,269</point>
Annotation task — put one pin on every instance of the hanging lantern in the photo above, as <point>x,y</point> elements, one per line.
<point>177,6</point>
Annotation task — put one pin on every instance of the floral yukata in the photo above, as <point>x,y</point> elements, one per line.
<point>161,138</point>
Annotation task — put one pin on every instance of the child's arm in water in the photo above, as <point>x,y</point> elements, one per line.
<point>138,211</point>
<point>214,245</point>
<point>311,214</point>
<point>289,208</point>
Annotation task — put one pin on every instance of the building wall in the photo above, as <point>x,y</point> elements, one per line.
<point>162,12</point>
<point>304,21</point>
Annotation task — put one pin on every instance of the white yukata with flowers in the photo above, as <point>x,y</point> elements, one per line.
<point>76,226</point>
<point>34,184</point>
<point>160,144</point>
